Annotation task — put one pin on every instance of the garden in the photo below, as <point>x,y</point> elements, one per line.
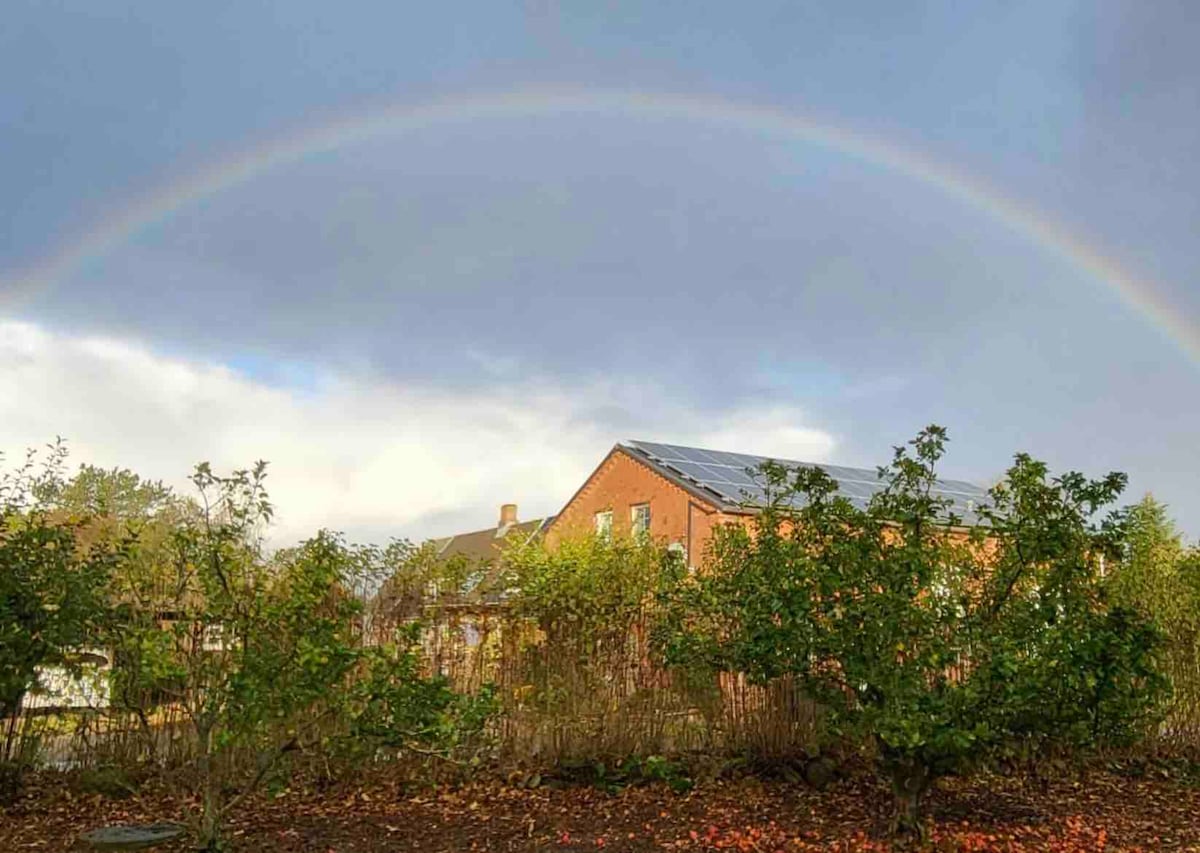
<point>833,676</point>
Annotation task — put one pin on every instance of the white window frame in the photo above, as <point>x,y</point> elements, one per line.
<point>213,637</point>
<point>634,510</point>
<point>603,521</point>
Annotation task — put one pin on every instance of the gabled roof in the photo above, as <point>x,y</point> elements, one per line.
<point>481,549</point>
<point>484,545</point>
<point>729,480</point>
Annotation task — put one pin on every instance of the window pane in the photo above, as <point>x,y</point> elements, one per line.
<point>640,519</point>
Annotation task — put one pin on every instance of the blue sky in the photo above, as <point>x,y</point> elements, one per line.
<point>419,326</point>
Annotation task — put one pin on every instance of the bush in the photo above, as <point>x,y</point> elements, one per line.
<point>936,645</point>
<point>51,598</point>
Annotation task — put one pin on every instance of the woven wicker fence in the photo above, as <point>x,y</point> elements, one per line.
<point>567,697</point>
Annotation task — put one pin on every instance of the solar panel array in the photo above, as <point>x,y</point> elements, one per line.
<point>733,477</point>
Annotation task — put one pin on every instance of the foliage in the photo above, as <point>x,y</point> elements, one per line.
<point>937,644</point>
<point>398,707</point>
<point>410,578</point>
<point>116,493</point>
<point>632,770</point>
<point>250,649</point>
<point>581,681</point>
<point>264,654</point>
<point>51,595</point>
<point>145,587</point>
<point>591,589</point>
<point>1160,576</point>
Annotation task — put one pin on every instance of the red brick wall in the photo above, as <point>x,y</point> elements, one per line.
<point>622,482</point>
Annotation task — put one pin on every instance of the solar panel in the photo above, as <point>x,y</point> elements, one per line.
<point>852,489</point>
<point>659,450</point>
<point>740,476</point>
<point>719,473</point>
<point>691,455</point>
<point>751,495</point>
<point>733,459</point>
<point>726,474</point>
<point>734,493</point>
<point>691,470</point>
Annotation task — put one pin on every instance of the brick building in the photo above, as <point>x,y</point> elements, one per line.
<point>676,495</point>
<point>680,494</point>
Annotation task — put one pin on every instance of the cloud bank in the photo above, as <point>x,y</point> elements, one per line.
<point>371,457</point>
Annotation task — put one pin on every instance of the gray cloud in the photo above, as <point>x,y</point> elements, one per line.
<point>708,273</point>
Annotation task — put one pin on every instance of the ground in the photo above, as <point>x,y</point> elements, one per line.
<point>1100,811</point>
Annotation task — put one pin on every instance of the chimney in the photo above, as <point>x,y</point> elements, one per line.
<point>508,514</point>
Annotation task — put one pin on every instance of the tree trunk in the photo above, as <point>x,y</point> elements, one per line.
<point>11,742</point>
<point>210,795</point>
<point>910,780</point>
<point>10,704</point>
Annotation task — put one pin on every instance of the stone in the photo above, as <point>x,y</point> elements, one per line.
<point>133,837</point>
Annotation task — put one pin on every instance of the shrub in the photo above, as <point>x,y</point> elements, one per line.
<point>936,645</point>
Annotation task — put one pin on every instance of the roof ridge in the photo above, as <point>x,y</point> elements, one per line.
<point>637,444</point>
<point>515,525</point>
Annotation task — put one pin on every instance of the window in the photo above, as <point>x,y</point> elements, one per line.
<point>471,581</point>
<point>213,638</point>
<point>604,523</point>
<point>471,635</point>
<point>639,518</point>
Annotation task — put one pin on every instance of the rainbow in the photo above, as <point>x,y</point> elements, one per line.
<point>1137,293</point>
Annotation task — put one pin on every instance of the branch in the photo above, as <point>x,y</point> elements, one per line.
<point>1022,564</point>
<point>291,745</point>
<point>433,753</point>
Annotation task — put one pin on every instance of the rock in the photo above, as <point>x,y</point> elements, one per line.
<point>133,837</point>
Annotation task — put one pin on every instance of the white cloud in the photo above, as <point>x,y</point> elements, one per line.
<point>773,431</point>
<point>357,453</point>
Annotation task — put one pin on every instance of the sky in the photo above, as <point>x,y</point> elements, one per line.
<point>428,259</point>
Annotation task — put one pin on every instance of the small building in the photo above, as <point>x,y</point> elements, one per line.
<point>82,686</point>
<point>482,548</point>
<point>463,624</point>
<point>679,495</point>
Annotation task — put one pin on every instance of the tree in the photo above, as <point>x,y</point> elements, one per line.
<point>1160,576</point>
<point>252,650</point>
<point>398,708</point>
<point>412,579</point>
<point>1148,571</point>
<point>591,591</point>
<point>51,593</point>
<point>116,493</point>
<point>935,644</point>
<point>265,654</point>
<point>583,670</point>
